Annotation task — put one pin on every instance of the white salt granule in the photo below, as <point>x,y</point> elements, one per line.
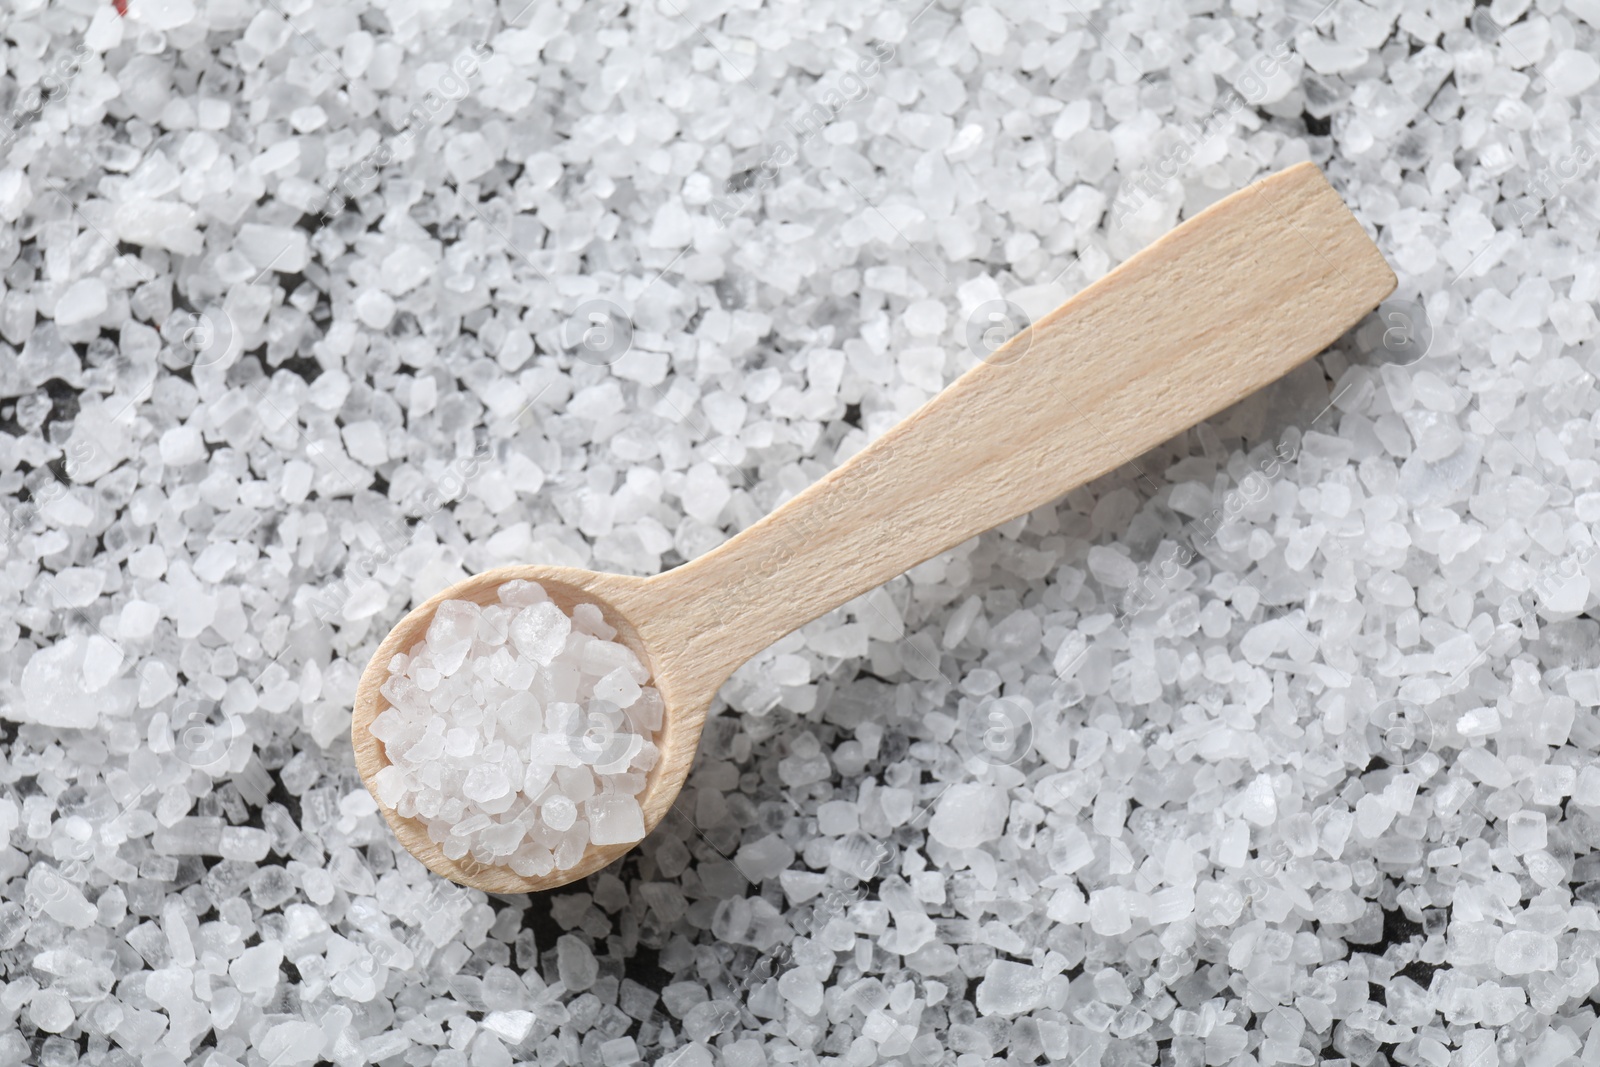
<point>517,733</point>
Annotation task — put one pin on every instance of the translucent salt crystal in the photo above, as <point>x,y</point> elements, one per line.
<point>576,966</point>
<point>460,742</point>
<point>83,300</point>
<point>469,156</point>
<point>532,861</point>
<point>102,661</point>
<point>926,318</point>
<point>1390,588</point>
<point>453,621</point>
<point>138,620</point>
<point>645,713</point>
<point>1526,831</point>
<point>519,593</point>
<point>539,632</point>
<point>1111,567</point>
<point>619,1052</point>
<point>59,898</point>
<point>52,686</point>
<point>704,493</point>
<point>1552,782</point>
<point>1259,803</point>
<point>798,986</point>
<point>450,658</point>
<point>291,1043</point>
<point>1010,988</point>
<point>836,817</point>
<point>760,859</point>
<point>1373,816</point>
<point>967,815</point>
<point>365,443</point>
<point>1571,72</point>
<point>502,839</point>
<point>617,688</point>
<point>536,777</point>
<point>406,268</point>
<point>1563,595</point>
<point>485,783</point>
<point>1525,951</point>
<point>256,968</point>
<point>559,813</point>
<point>1217,904</point>
<point>390,725</point>
<point>1109,914</point>
<point>704,1021</point>
<point>471,825</point>
<point>182,446</point>
<point>589,619</point>
<point>614,819</point>
<point>1584,687</point>
<point>280,248</point>
<point>244,843</point>
<point>50,1011</point>
<point>986,29</point>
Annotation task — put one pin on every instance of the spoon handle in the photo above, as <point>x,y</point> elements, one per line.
<point>1217,308</point>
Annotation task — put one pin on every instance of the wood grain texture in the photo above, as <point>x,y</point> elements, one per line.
<point>1219,307</point>
<point>1224,304</point>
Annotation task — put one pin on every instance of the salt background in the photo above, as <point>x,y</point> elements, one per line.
<point>300,325</point>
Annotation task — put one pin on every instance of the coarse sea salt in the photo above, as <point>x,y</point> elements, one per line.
<point>287,302</point>
<point>518,733</point>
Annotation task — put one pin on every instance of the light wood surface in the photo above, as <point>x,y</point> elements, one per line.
<point>1219,307</point>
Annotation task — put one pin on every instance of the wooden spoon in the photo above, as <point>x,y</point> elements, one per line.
<point>1219,307</point>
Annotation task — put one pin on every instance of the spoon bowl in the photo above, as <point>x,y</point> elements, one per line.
<point>1231,300</point>
<point>567,587</point>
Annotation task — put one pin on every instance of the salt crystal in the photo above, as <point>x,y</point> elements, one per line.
<point>1009,988</point>
<point>1526,831</point>
<point>1373,816</point>
<point>485,783</point>
<point>52,690</point>
<point>614,819</point>
<point>539,632</point>
<point>1259,803</point>
<point>1524,952</point>
<point>406,268</point>
<point>83,300</point>
<point>278,248</point>
<point>705,493</point>
<point>967,815</point>
<point>763,858</point>
<point>181,446</point>
<point>617,688</point>
<point>559,813</point>
<point>50,1011</point>
<point>985,28</point>
<point>801,988</point>
<point>291,1043</point>
<point>364,440</point>
<point>256,968</point>
<point>1217,904</point>
<point>1571,72</point>
<point>926,318</point>
<point>1109,914</point>
<point>575,963</point>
